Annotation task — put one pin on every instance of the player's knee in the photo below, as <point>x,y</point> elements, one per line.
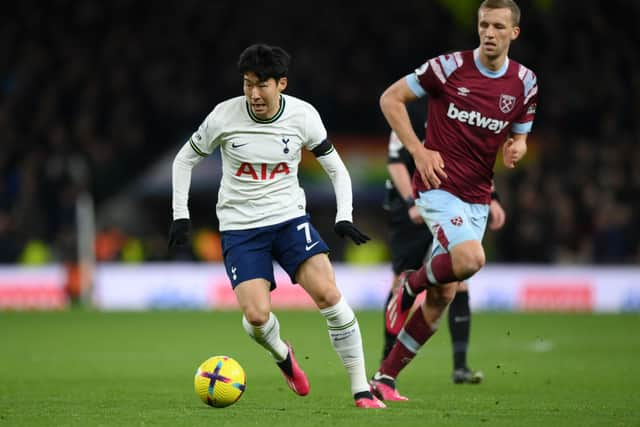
<point>256,316</point>
<point>328,298</point>
<point>477,260</point>
<point>469,262</point>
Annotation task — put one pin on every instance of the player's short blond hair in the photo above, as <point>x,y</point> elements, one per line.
<point>503,4</point>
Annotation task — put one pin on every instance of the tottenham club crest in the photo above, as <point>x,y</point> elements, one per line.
<point>285,141</point>
<point>506,103</point>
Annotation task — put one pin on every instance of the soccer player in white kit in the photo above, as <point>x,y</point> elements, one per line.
<point>262,211</point>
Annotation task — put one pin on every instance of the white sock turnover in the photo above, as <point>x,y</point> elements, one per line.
<point>344,332</point>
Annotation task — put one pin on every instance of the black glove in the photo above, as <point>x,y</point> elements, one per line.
<point>179,233</point>
<point>346,228</point>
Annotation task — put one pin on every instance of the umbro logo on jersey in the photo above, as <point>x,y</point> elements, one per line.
<point>463,91</point>
<point>234,145</point>
<point>457,221</point>
<point>309,247</point>
<point>474,118</point>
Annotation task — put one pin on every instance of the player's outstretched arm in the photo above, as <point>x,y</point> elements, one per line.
<point>185,160</point>
<point>333,165</point>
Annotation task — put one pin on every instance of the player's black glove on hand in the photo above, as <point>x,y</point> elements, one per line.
<point>179,233</point>
<point>346,228</point>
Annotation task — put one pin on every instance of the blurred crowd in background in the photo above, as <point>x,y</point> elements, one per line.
<point>92,93</point>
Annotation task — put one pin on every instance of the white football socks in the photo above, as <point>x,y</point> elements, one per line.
<point>347,341</point>
<point>268,336</point>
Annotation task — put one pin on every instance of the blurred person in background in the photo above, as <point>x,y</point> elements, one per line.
<point>477,99</point>
<point>9,247</point>
<point>409,241</point>
<point>262,211</point>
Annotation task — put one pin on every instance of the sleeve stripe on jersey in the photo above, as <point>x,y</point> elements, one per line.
<point>529,80</point>
<point>522,127</point>
<point>522,71</point>
<point>196,149</point>
<point>437,70</point>
<point>414,84</point>
<point>449,64</point>
<point>459,59</point>
<point>532,93</point>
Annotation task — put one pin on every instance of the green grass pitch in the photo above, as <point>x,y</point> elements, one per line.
<point>85,368</point>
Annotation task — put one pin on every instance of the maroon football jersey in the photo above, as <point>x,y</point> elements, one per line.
<point>471,112</point>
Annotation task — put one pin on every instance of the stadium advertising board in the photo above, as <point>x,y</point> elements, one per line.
<point>205,286</point>
<point>496,287</point>
<point>33,288</point>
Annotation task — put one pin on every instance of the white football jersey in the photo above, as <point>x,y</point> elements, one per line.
<point>260,158</point>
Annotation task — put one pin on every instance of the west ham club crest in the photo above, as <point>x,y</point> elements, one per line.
<point>506,103</point>
<point>457,221</point>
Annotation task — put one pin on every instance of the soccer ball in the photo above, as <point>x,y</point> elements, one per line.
<point>220,381</point>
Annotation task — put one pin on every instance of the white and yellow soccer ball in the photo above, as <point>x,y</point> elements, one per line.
<point>220,381</point>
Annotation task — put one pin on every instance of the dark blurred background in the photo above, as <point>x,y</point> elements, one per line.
<point>96,98</point>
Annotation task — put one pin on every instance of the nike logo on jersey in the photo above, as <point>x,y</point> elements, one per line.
<point>309,247</point>
<point>234,145</point>
<point>474,118</point>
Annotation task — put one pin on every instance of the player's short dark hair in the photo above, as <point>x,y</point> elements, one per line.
<point>503,4</point>
<point>265,61</point>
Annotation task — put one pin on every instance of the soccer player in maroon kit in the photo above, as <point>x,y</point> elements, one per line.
<point>477,99</point>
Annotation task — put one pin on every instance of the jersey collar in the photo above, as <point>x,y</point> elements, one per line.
<point>275,117</point>
<point>487,72</point>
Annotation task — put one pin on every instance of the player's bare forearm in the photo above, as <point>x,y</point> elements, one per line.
<point>401,179</point>
<point>393,104</point>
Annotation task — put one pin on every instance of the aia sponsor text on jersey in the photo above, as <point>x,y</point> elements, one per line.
<point>261,172</point>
